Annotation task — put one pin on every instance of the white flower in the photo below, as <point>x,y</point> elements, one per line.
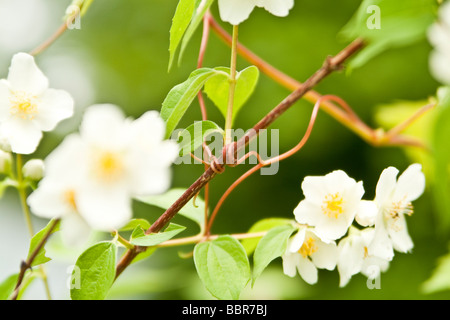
<point>354,256</point>
<point>27,105</point>
<point>34,169</point>
<point>112,160</point>
<point>237,11</point>
<point>330,204</point>
<point>439,36</point>
<point>393,198</point>
<point>305,253</point>
<point>56,195</point>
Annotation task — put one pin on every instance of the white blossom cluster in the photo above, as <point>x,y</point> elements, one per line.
<point>332,203</point>
<point>92,176</point>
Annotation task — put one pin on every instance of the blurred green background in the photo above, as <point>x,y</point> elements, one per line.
<point>122,49</point>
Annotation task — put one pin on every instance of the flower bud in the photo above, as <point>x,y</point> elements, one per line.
<point>5,162</point>
<point>34,169</point>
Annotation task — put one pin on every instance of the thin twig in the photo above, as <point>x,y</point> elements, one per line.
<point>28,263</point>
<point>331,64</point>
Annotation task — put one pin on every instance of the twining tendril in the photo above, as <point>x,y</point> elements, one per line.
<point>262,163</point>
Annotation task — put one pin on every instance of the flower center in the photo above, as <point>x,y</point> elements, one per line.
<point>395,211</point>
<point>333,205</point>
<point>69,197</point>
<point>308,248</point>
<point>109,166</point>
<point>23,106</point>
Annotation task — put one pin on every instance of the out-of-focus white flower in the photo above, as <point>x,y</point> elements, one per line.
<point>56,195</point>
<point>354,257</point>
<point>34,169</point>
<point>306,253</point>
<point>439,36</point>
<point>330,204</point>
<point>393,198</point>
<point>237,11</point>
<point>112,160</point>
<point>27,105</point>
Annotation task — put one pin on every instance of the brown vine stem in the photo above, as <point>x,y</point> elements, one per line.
<point>349,120</point>
<point>331,65</point>
<point>263,163</point>
<point>201,100</point>
<point>27,264</point>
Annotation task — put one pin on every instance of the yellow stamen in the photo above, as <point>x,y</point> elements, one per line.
<point>333,205</point>
<point>308,248</point>
<point>109,166</point>
<point>366,253</point>
<point>23,106</point>
<point>69,197</point>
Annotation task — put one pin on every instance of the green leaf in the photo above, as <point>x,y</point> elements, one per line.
<point>7,287</point>
<point>441,134</point>
<point>440,280</point>
<point>193,136</point>
<point>218,87</point>
<point>133,224</point>
<point>36,240</point>
<point>261,226</point>
<point>200,9</point>
<point>195,213</point>
<point>157,238</point>
<point>223,267</point>
<point>402,23</point>
<point>180,23</point>
<point>181,96</point>
<point>271,246</point>
<point>97,270</point>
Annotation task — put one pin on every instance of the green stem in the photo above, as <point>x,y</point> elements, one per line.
<point>23,194</point>
<point>200,237</point>
<point>232,80</point>
<point>26,210</point>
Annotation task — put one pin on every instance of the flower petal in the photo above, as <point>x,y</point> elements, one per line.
<point>290,261</point>
<point>104,209</point>
<point>24,75</point>
<point>47,200</point>
<point>65,162</point>
<point>410,185</point>
<point>386,185</point>
<point>150,181</point>
<point>314,188</point>
<point>75,232</point>
<point>401,240</point>
<point>235,11</point>
<point>5,104</point>
<point>23,135</point>
<point>278,8</point>
<point>296,242</point>
<point>308,212</point>
<point>440,66</point>
<point>55,106</point>
<point>326,255</point>
<point>148,130</point>
<point>381,245</point>
<point>367,213</point>
<point>307,270</point>
<point>104,125</point>
<point>351,256</point>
